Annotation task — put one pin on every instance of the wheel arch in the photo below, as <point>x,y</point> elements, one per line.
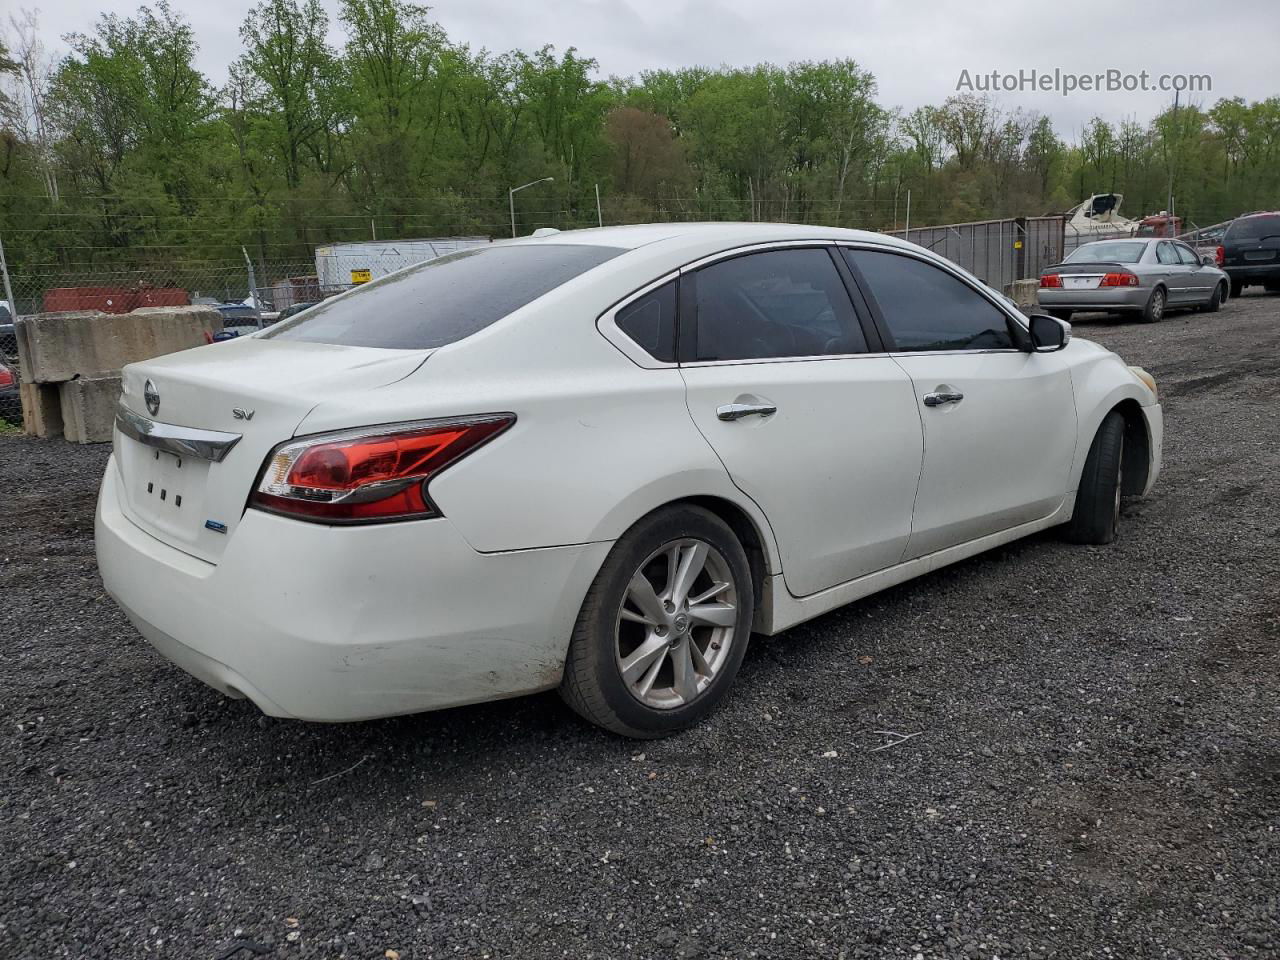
<point>1135,463</point>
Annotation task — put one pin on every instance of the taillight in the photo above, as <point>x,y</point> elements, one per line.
<point>371,474</point>
<point>1220,255</point>
<point>1119,280</point>
<point>1051,280</point>
<point>6,376</point>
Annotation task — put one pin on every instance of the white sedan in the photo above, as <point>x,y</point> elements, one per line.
<point>596,461</point>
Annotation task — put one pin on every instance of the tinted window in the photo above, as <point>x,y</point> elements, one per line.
<point>780,303</point>
<point>1254,228</point>
<point>927,308</point>
<point>1165,254</point>
<point>651,322</point>
<point>1107,252</point>
<point>443,300</point>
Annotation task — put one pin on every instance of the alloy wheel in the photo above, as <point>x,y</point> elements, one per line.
<point>676,623</point>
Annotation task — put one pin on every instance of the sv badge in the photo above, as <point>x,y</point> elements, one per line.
<point>242,414</point>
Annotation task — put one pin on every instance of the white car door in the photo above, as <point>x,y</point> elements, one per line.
<point>999,423</point>
<point>819,429</point>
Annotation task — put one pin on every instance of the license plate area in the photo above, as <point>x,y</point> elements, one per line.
<point>166,491</point>
<point>1081,283</point>
<point>1256,255</point>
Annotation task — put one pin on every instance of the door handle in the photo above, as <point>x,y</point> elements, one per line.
<point>736,411</point>
<point>938,399</point>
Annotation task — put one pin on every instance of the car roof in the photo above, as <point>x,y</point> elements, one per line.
<point>715,235</point>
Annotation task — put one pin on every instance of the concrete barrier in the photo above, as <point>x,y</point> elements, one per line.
<point>41,409</point>
<point>1024,293</point>
<point>70,362</point>
<point>57,347</point>
<point>89,408</point>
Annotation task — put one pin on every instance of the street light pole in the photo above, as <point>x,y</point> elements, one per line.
<point>511,199</point>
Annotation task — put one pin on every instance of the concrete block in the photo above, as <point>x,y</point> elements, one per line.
<point>41,409</point>
<point>1023,293</point>
<point>59,347</point>
<point>89,408</point>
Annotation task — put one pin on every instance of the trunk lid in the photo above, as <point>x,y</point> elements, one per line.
<point>260,390</point>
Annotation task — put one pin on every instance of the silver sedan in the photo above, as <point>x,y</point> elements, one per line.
<point>1146,276</point>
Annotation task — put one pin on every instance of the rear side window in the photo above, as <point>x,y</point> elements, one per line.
<point>444,300</point>
<point>1165,253</point>
<point>1254,228</point>
<point>650,321</point>
<point>926,308</point>
<point>778,303</point>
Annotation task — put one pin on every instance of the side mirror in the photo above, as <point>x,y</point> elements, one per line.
<point>1049,334</point>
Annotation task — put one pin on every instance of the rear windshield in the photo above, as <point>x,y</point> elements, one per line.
<point>1254,228</point>
<point>1108,252</point>
<point>444,300</point>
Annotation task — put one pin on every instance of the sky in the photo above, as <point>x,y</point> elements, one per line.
<point>918,50</point>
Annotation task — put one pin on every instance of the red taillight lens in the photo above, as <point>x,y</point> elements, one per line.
<point>1220,256</point>
<point>1051,280</point>
<point>6,376</point>
<point>369,475</point>
<point>1119,280</point>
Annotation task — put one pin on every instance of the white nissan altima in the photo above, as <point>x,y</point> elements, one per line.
<point>597,461</point>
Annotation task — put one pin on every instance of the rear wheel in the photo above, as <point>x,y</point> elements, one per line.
<point>1237,288</point>
<point>1272,286</point>
<point>1153,312</point>
<point>1097,514</point>
<point>1060,314</point>
<point>664,626</point>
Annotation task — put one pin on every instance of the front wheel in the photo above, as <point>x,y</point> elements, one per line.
<point>1219,294</point>
<point>663,628</point>
<point>1097,514</point>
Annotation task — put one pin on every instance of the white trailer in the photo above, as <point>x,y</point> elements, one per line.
<point>340,266</point>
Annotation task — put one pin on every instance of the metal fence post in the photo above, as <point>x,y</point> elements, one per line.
<point>8,288</point>
<point>253,287</point>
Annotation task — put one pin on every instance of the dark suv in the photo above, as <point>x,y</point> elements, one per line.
<point>1250,252</point>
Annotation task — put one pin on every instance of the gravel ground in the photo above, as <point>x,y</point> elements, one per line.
<point>1095,770</point>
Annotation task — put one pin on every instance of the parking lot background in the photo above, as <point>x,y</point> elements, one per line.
<point>1094,770</point>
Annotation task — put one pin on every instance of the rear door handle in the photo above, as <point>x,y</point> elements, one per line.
<point>938,399</point>
<point>736,411</point>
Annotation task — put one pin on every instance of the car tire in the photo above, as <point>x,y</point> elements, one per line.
<point>1237,288</point>
<point>1215,301</point>
<point>1272,286</point>
<point>1153,312</point>
<point>1097,514</point>
<point>609,632</point>
<point>1060,314</point>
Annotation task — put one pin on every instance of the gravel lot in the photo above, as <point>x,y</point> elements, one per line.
<point>1095,771</point>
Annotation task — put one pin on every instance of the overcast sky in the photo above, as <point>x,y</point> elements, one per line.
<point>916,48</point>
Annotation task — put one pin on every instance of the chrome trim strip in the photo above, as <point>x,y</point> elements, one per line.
<point>183,441</point>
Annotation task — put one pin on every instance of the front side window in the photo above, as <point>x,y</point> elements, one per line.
<point>650,320</point>
<point>777,303</point>
<point>1186,255</point>
<point>926,308</point>
<point>444,300</point>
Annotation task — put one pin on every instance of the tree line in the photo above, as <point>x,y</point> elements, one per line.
<point>122,153</point>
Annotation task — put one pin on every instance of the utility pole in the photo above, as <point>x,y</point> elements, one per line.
<point>511,199</point>
<point>8,290</point>
<point>599,215</point>
<point>906,232</point>
<point>1172,154</point>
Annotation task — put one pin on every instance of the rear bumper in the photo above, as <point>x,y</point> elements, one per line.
<point>349,623</point>
<point>1254,274</point>
<point>1103,300</point>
